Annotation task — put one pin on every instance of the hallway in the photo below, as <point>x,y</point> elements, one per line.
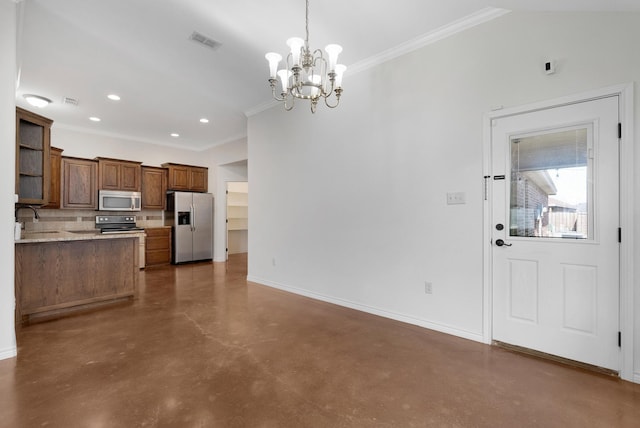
<point>201,347</point>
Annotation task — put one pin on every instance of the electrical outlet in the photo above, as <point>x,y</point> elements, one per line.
<point>428,288</point>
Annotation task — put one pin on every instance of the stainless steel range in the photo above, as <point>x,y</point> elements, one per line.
<point>117,224</point>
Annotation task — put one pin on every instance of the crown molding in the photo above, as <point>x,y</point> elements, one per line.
<point>455,27</point>
<point>261,107</point>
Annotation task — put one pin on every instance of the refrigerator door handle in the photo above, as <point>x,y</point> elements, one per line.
<point>193,218</point>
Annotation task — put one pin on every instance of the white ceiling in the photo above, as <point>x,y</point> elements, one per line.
<point>140,50</point>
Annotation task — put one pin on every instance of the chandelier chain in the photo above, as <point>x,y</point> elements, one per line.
<point>307,23</point>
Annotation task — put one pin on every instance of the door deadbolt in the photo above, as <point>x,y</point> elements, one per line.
<point>499,226</point>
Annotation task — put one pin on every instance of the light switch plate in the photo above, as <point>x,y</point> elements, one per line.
<point>456,198</point>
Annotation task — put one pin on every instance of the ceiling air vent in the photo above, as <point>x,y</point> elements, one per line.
<point>70,101</point>
<point>204,40</point>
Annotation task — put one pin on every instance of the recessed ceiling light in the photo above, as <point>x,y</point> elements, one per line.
<point>174,135</point>
<point>94,119</point>
<point>37,100</point>
<point>113,97</point>
<point>204,120</point>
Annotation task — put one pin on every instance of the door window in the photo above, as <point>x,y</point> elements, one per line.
<point>551,184</point>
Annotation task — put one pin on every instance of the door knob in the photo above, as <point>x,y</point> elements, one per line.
<point>501,243</point>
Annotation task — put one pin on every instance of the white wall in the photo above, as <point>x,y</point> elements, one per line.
<point>7,175</point>
<point>349,205</point>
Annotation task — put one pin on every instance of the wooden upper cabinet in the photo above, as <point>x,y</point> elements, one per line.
<point>178,177</point>
<point>79,186</point>
<point>109,175</point>
<point>116,174</point>
<point>187,178</point>
<point>198,179</point>
<point>33,139</point>
<point>55,187</point>
<point>154,188</point>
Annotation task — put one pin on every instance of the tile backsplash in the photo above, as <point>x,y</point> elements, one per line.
<point>51,219</point>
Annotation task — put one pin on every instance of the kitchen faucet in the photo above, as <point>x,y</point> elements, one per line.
<point>35,211</point>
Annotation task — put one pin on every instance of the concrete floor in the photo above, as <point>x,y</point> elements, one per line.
<point>202,348</point>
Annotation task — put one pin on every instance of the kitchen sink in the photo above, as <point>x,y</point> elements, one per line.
<point>87,232</point>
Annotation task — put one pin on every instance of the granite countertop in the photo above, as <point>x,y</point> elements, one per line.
<point>68,235</point>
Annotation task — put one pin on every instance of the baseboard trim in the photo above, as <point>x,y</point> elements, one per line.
<point>636,377</point>
<point>442,328</point>
<point>8,353</point>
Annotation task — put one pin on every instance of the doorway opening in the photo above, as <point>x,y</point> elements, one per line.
<point>237,218</point>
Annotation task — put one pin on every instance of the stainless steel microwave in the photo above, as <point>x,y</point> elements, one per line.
<point>118,200</point>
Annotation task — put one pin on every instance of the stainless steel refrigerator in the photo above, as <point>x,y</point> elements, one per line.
<point>191,217</point>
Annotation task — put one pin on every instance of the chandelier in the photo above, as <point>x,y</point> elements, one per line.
<point>308,75</point>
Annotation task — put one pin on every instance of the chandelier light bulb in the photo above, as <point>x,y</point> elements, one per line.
<point>284,76</point>
<point>333,51</point>
<point>295,44</point>
<point>315,79</point>
<point>340,69</point>
<point>274,59</point>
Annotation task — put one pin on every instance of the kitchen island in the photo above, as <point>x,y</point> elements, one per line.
<point>63,271</point>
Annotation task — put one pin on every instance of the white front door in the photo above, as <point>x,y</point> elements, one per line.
<point>555,220</point>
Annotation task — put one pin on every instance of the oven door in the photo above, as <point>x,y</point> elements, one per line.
<point>111,200</point>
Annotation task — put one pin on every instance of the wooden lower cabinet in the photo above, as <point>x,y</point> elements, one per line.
<point>55,277</point>
<point>158,246</point>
